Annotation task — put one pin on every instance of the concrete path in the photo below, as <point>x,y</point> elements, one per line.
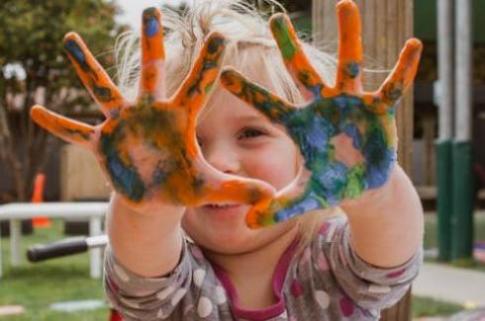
<point>454,285</point>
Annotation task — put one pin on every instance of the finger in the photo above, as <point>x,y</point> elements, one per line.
<point>289,202</point>
<point>223,188</point>
<point>93,76</point>
<point>350,48</point>
<point>401,76</point>
<point>295,59</point>
<point>275,108</point>
<point>69,130</point>
<point>153,54</point>
<point>198,85</point>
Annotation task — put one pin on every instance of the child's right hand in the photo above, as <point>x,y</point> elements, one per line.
<point>148,148</point>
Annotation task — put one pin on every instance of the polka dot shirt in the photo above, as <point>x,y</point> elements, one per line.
<point>325,281</point>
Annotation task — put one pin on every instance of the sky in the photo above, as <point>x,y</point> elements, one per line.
<point>132,9</point>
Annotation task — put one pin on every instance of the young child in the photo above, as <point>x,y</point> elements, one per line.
<point>203,262</point>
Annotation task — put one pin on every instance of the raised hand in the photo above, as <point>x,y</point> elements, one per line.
<point>347,136</point>
<point>148,148</point>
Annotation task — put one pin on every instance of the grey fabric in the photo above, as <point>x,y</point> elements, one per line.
<point>325,281</point>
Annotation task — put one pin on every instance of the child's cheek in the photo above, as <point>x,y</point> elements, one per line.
<point>276,165</point>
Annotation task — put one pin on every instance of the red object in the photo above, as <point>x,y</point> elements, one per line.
<point>115,316</point>
<point>38,197</point>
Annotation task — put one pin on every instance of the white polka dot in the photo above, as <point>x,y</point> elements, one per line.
<point>178,296</point>
<point>162,295</point>
<point>199,276</point>
<point>121,273</point>
<point>161,314</point>
<point>322,298</point>
<point>204,308</point>
<point>220,295</point>
<point>283,315</point>
<point>373,288</point>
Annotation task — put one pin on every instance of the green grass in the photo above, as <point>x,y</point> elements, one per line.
<point>431,232</point>
<point>36,286</point>
<point>431,235</point>
<point>425,307</point>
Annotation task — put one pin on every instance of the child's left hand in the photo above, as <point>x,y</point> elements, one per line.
<point>347,136</point>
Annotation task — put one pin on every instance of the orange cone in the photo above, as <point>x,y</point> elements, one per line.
<point>38,197</point>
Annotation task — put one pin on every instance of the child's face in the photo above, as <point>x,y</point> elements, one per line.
<point>237,139</point>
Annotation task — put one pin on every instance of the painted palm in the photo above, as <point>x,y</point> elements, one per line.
<point>347,136</point>
<point>148,148</point>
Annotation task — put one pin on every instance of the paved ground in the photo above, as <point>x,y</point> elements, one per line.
<point>455,285</point>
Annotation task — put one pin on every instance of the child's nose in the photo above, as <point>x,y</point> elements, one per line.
<point>224,159</point>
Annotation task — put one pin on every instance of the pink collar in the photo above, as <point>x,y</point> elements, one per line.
<point>279,276</point>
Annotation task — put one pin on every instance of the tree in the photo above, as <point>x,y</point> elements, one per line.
<point>33,67</point>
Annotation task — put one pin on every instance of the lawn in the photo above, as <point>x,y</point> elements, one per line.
<point>36,286</point>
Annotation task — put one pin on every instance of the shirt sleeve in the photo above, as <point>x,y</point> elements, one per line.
<point>369,286</point>
<point>145,298</point>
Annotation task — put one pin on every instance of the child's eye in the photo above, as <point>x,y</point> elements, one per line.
<point>251,133</point>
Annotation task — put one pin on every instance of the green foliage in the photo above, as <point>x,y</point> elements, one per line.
<point>31,34</point>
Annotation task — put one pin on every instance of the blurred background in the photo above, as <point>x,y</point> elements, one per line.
<point>440,127</point>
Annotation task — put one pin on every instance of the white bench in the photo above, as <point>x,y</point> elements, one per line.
<point>15,212</point>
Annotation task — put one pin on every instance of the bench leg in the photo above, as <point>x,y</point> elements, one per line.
<point>96,253</point>
<point>15,239</point>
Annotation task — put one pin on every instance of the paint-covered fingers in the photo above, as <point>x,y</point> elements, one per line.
<point>198,84</point>
<point>288,203</point>
<point>350,47</point>
<point>402,75</point>
<point>153,54</point>
<point>295,59</point>
<point>93,76</point>
<point>239,191</point>
<point>67,129</point>
<point>275,108</point>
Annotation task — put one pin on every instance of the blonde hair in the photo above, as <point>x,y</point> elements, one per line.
<point>249,42</point>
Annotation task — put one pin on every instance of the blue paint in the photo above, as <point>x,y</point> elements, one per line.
<point>75,51</point>
<point>352,131</point>
<point>333,180</point>
<point>308,203</point>
<point>311,134</point>
<point>159,176</point>
<point>352,69</point>
<point>125,179</point>
<point>151,27</point>
<point>377,174</point>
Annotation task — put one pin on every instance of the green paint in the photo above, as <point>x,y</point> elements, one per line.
<point>209,87</point>
<point>282,35</point>
<point>355,178</point>
<point>323,202</point>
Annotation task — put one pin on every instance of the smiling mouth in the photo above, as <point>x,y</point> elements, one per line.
<point>221,206</point>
